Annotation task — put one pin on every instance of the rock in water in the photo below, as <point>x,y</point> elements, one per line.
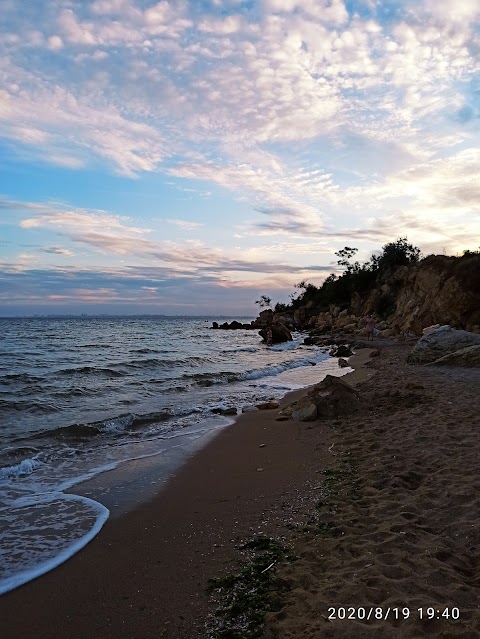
<point>280,333</point>
<point>341,351</point>
<point>231,410</point>
<point>440,342</point>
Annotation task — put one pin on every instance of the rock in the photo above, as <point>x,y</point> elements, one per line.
<point>305,410</point>
<point>231,410</point>
<point>280,333</point>
<point>249,409</point>
<point>468,357</point>
<point>267,405</point>
<point>359,345</point>
<point>343,363</point>
<point>285,413</point>
<point>341,351</point>
<point>264,319</point>
<point>312,340</point>
<point>301,315</point>
<point>439,290</point>
<point>440,342</point>
<point>329,399</point>
<point>234,325</point>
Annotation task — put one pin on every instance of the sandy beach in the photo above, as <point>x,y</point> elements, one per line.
<point>402,523</point>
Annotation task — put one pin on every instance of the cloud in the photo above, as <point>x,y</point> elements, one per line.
<point>112,235</point>
<point>323,118</point>
<point>127,290</point>
<point>56,250</point>
<point>184,224</point>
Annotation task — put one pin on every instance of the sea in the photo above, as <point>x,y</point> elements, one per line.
<point>84,397</point>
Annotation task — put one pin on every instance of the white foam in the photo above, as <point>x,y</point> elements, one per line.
<point>25,467</point>
<point>285,346</point>
<point>43,566</point>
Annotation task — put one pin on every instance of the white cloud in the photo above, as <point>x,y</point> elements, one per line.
<point>55,43</point>
<point>271,103</point>
<point>184,224</point>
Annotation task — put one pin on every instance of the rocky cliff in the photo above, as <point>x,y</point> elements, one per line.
<point>437,290</point>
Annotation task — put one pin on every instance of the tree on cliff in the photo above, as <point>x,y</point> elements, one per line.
<point>356,279</point>
<point>264,301</point>
<point>398,253</point>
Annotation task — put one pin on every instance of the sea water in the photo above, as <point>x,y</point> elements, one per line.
<point>82,396</point>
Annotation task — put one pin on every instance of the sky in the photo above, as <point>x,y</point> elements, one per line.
<point>185,157</point>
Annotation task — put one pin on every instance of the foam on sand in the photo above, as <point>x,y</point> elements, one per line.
<point>72,522</point>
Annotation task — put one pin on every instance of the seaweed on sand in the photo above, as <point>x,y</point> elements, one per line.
<point>247,595</point>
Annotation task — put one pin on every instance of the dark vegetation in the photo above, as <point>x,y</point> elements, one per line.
<point>356,279</point>
<point>245,596</point>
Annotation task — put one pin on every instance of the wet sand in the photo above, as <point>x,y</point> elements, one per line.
<point>405,529</point>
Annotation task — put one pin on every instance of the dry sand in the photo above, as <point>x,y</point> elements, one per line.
<point>402,523</point>
<point>404,514</point>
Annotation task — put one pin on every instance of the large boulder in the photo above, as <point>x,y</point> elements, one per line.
<point>280,333</point>
<point>329,399</point>
<point>468,357</point>
<point>440,342</point>
<point>264,319</point>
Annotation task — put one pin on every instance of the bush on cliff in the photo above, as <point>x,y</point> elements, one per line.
<point>357,278</point>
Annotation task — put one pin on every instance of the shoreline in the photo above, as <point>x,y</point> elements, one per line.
<point>145,574</point>
<point>242,473</point>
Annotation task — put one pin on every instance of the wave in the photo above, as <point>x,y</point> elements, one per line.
<point>223,377</point>
<point>99,346</point>
<point>285,346</point>
<point>37,408</point>
<point>27,378</point>
<point>113,425</point>
<point>269,371</point>
<point>90,370</point>
<point>25,467</point>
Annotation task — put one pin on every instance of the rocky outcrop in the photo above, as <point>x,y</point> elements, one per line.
<point>437,290</point>
<point>264,319</point>
<point>232,326</point>
<point>468,357</point>
<point>280,333</point>
<point>329,399</point>
<point>441,342</point>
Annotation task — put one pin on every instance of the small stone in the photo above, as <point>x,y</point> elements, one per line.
<point>267,405</point>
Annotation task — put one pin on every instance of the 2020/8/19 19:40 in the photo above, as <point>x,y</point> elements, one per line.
<point>378,613</point>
